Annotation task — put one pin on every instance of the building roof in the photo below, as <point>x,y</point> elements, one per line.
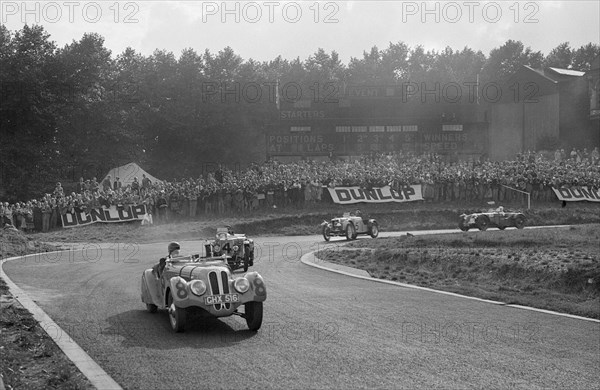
<point>567,72</point>
<point>540,72</point>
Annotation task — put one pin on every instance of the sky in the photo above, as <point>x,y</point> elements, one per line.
<point>263,30</point>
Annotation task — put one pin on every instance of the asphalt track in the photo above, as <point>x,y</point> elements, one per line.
<point>320,330</point>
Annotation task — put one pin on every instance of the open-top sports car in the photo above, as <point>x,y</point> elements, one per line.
<point>349,225</point>
<point>494,218</point>
<point>238,248</point>
<point>203,284</point>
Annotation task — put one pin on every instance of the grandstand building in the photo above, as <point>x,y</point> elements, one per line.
<point>593,79</point>
<point>531,110</point>
<point>543,110</point>
<point>381,119</point>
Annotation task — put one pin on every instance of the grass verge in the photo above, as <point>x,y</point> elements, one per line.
<point>556,269</point>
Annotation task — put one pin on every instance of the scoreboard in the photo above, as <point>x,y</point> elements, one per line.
<point>464,139</point>
<point>363,123</point>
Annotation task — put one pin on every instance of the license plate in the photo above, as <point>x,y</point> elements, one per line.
<point>225,298</point>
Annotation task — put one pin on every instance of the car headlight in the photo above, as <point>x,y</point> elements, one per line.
<point>241,285</point>
<point>198,287</point>
<point>235,248</point>
<point>217,248</point>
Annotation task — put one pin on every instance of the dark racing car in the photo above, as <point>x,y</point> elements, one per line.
<point>492,218</point>
<point>238,248</point>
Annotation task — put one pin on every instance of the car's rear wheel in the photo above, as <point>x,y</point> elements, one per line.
<point>463,226</point>
<point>177,315</point>
<point>520,222</point>
<point>482,223</point>
<point>253,315</point>
<point>350,232</point>
<point>502,227</point>
<point>326,232</point>
<point>151,307</point>
<point>374,230</point>
<point>246,258</point>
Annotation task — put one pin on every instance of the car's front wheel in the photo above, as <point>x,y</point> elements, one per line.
<point>350,232</point>
<point>326,233</point>
<point>482,223</point>
<point>374,230</point>
<point>254,315</point>
<point>177,315</point>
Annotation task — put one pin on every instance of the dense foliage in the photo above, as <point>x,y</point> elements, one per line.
<point>79,110</point>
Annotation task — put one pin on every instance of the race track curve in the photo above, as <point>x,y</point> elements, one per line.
<point>320,330</point>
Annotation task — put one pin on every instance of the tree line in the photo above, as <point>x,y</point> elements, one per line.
<point>79,110</point>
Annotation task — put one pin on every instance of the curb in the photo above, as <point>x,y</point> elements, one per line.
<point>88,367</point>
<point>310,259</point>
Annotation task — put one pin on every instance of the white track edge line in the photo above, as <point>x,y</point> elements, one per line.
<point>304,259</point>
<point>88,367</point>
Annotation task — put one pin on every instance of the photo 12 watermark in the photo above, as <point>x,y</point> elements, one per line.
<point>470,11</point>
<point>36,12</point>
<point>270,11</point>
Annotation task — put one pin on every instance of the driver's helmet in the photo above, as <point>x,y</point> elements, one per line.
<point>229,230</point>
<point>174,246</point>
<point>500,209</point>
<point>357,213</point>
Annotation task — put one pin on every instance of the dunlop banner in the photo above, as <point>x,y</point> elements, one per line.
<point>109,215</point>
<point>577,194</point>
<point>349,195</point>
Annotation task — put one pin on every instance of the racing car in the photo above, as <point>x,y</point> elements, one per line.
<point>494,218</point>
<point>203,284</point>
<point>349,225</point>
<point>238,248</point>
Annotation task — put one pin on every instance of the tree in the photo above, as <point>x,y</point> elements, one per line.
<point>27,114</point>
<point>506,60</point>
<point>585,56</point>
<point>560,57</point>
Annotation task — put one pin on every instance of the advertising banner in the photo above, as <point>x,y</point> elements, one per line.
<point>113,214</point>
<point>349,195</point>
<point>577,194</point>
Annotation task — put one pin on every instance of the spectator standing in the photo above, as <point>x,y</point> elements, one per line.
<point>193,199</point>
<point>106,183</point>
<point>94,186</point>
<point>135,186</point>
<point>117,185</point>
<point>161,207</point>
<point>58,191</point>
<point>595,155</point>
<point>146,184</point>
<point>37,216</point>
<point>80,186</point>
<point>174,205</point>
<point>46,215</point>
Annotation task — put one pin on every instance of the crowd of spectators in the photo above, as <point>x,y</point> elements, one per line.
<point>302,183</point>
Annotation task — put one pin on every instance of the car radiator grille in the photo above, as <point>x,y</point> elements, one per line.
<point>219,286</point>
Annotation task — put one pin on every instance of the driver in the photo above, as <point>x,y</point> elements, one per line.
<point>173,250</point>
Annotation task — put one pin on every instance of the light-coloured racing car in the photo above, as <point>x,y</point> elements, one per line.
<point>349,225</point>
<point>203,284</point>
